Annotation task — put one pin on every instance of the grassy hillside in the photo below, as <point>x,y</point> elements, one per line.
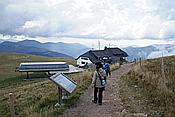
<point>35,98</point>
<point>144,90</point>
<point>31,97</point>
<point>34,50</point>
<point>9,61</point>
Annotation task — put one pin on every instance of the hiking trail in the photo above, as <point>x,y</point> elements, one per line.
<point>112,105</point>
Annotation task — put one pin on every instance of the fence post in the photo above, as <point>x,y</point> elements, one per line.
<point>164,87</point>
<point>140,59</point>
<point>12,108</point>
<point>135,60</point>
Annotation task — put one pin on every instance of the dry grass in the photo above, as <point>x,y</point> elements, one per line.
<point>9,61</point>
<point>35,98</point>
<point>30,96</point>
<point>146,81</point>
<point>114,66</point>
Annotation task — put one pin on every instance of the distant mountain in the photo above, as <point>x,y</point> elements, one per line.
<point>1,40</point>
<point>71,49</point>
<point>166,50</point>
<point>20,48</point>
<point>137,52</point>
<point>153,51</point>
<point>10,40</point>
<point>31,43</point>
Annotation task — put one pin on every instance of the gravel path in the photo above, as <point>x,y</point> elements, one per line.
<point>112,105</point>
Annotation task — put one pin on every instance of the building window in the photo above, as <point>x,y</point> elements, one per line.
<point>83,62</point>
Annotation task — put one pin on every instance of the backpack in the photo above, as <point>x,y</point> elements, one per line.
<point>105,66</point>
<point>102,79</point>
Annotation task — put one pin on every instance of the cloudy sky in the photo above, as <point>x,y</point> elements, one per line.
<point>113,22</point>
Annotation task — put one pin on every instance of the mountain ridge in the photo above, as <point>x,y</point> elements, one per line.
<point>148,52</point>
<point>20,48</point>
<point>73,49</point>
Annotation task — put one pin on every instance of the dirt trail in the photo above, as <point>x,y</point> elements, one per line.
<point>112,105</point>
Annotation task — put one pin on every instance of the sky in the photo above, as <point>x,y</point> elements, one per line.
<point>112,22</point>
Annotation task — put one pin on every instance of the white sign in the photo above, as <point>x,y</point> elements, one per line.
<point>64,82</point>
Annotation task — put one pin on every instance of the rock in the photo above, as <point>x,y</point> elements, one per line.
<point>123,113</point>
<point>140,115</point>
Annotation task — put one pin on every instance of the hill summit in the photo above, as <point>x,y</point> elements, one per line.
<point>50,49</point>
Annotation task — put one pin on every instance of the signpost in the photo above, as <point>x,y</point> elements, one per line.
<point>64,83</point>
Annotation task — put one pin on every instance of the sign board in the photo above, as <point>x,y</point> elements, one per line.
<point>64,82</point>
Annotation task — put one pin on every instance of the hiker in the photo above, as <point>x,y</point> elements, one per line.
<point>106,67</point>
<point>97,83</point>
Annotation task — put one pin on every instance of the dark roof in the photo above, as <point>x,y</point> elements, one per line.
<point>94,55</point>
<point>90,54</point>
<point>117,52</point>
<point>94,59</point>
<point>101,53</point>
<point>87,54</point>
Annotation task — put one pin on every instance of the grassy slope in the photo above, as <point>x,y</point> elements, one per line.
<point>35,98</point>
<point>142,91</point>
<point>31,97</point>
<point>8,63</point>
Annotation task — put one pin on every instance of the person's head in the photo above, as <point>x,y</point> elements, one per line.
<point>98,65</point>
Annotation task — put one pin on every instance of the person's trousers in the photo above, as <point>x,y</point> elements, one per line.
<point>98,92</point>
<point>108,73</point>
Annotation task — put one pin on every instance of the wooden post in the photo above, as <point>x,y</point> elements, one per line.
<point>140,61</point>
<point>12,109</point>
<point>163,82</point>
<point>135,60</point>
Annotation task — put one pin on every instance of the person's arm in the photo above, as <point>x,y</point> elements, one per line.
<point>94,78</point>
<point>108,67</point>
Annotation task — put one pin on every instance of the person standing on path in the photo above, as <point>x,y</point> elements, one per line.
<point>97,83</point>
<point>106,67</point>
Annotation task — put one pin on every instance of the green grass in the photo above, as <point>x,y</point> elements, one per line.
<point>10,81</point>
<point>9,62</point>
<point>31,97</point>
<point>35,98</point>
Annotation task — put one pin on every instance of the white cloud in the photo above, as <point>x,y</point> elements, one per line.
<point>167,30</point>
<point>33,24</point>
<point>124,19</point>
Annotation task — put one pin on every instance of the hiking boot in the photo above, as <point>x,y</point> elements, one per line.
<point>94,101</point>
